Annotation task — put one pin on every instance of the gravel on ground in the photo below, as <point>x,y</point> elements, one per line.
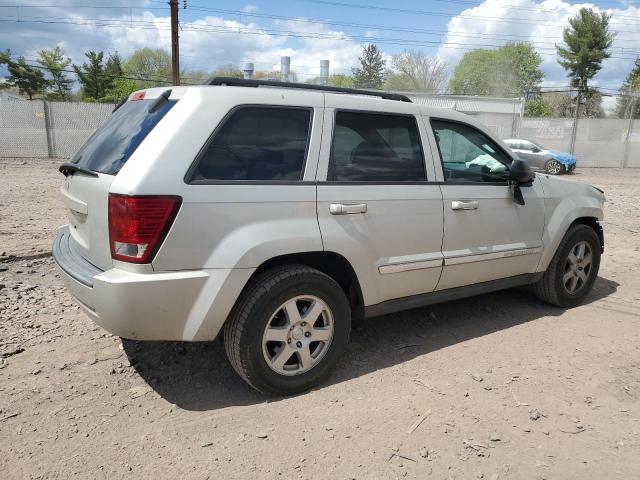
<point>499,386</point>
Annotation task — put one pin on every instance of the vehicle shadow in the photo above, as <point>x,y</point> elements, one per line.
<point>197,376</point>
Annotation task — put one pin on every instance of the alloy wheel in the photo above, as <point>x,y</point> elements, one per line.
<point>298,335</point>
<point>554,167</point>
<point>577,268</point>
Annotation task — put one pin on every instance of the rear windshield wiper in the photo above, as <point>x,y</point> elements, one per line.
<point>122,102</point>
<point>164,97</point>
<point>70,168</point>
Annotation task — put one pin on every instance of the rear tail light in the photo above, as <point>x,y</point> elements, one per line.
<point>138,225</point>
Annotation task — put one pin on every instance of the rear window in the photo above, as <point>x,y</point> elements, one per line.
<point>109,148</point>
<point>257,144</point>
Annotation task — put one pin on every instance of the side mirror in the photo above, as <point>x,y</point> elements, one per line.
<point>520,171</point>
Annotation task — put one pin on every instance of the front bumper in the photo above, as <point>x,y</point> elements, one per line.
<point>182,305</point>
<point>569,168</point>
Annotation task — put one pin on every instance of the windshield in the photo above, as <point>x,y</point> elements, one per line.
<point>109,148</point>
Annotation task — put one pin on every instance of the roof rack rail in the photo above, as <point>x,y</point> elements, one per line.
<point>244,82</point>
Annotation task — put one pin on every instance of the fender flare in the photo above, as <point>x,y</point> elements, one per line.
<point>565,215</point>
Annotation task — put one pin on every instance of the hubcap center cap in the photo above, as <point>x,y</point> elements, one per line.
<point>297,333</point>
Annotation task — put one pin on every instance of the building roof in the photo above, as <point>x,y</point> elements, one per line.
<point>469,104</point>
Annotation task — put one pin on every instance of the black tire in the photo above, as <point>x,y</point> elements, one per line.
<point>551,288</point>
<point>262,297</point>
<point>551,167</point>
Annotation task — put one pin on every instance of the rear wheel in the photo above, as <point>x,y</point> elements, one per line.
<point>553,167</point>
<point>573,269</point>
<point>288,329</point>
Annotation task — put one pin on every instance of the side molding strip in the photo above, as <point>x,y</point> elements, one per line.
<point>406,267</point>
<point>491,256</point>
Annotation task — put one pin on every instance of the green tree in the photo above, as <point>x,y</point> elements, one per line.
<point>630,87</point>
<point>563,104</point>
<point>56,64</point>
<point>521,63</point>
<point>150,67</point>
<point>93,76</point>
<point>340,80</point>
<point>474,73</point>
<point>4,59</point>
<point>513,69</point>
<point>538,107</point>
<point>29,80</point>
<point>370,74</point>
<point>591,105</point>
<point>113,68</point>
<point>421,72</point>
<point>398,81</point>
<point>120,88</point>
<point>588,41</point>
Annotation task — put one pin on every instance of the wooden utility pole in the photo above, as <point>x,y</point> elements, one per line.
<point>175,49</point>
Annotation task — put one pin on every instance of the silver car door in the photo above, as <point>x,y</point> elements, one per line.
<point>487,236</point>
<point>375,206</point>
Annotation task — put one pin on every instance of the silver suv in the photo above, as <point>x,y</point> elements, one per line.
<point>279,212</point>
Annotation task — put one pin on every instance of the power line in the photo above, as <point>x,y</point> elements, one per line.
<point>431,13</point>
<point>444,92</point>
<point>334,3</point>
<point>361,6</point>
<point>363,25</point>
<point>472,3</point>
<point>550,51</point>
<point>92,7</point>
<point>299,71</point>
<point>138,76</point>
<point>139,23</point>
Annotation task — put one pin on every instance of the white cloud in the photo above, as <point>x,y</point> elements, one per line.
<point>205,43</point>
<point>318,42</point>
<point>249,9</point>
<point>540,23</point>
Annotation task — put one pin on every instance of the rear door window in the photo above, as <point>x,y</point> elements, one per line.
<point>373,147</point>
<point>109,148</point>
<point>257,144</point>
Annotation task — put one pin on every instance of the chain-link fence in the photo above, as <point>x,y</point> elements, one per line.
<point>43,129</point>
<point>598,142</point>
<point>40,129</point>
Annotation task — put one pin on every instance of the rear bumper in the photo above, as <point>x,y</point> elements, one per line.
<point>182,305</point>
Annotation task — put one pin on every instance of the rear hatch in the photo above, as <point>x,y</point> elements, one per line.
<point>93,168</point>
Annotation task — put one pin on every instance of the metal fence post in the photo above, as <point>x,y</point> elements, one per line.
<point>51,149</point>
<point>574,129</point>
<point>625,159</point>
<point>514,121</point>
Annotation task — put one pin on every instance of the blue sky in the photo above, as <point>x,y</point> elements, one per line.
<point>222,32</point>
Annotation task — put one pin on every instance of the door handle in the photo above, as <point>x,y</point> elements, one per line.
<point>464,205</point>
<point>348,208</point>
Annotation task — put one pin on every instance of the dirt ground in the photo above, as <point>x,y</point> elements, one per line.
<point>499,386</point>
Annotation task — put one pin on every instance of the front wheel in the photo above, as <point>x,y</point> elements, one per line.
<point>573,269</point>
<point>553,167</point>
<point>288,329</point>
